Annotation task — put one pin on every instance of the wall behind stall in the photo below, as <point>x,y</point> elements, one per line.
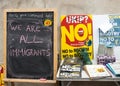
<point>64,7</point>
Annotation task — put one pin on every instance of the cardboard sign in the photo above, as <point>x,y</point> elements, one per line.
<point>76,32</point>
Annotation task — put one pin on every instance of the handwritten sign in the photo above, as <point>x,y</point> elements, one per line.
<point>30,44</point>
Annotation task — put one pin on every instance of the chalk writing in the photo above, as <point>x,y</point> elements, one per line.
<point>28,40</point>
<point>29,52</point>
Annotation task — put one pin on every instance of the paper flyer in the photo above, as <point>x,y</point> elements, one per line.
<point>109,30</point>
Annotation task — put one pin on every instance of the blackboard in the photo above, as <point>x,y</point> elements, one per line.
<point>30,45</point>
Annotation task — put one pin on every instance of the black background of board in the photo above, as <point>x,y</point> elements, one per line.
<point>29,51</point>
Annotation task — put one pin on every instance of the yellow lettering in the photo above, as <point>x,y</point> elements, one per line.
<point>89,28</point>
<point>66,33</point>
<point>73,33</point>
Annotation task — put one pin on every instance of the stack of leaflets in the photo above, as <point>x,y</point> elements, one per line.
<point>114,68</point>
<point>70,68</point>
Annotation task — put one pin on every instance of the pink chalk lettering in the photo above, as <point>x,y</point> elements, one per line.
<point>29,52</point>
<point>33,28</point>
<point>26,39</point>
<point>15,27</point>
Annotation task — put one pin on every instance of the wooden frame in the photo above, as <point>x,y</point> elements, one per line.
<point>54,46</point>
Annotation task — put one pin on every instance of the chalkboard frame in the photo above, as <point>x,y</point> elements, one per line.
<point>6,79</point>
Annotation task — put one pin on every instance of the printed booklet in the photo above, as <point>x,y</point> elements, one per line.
<point>96,71</point>
<point>114,68</point>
